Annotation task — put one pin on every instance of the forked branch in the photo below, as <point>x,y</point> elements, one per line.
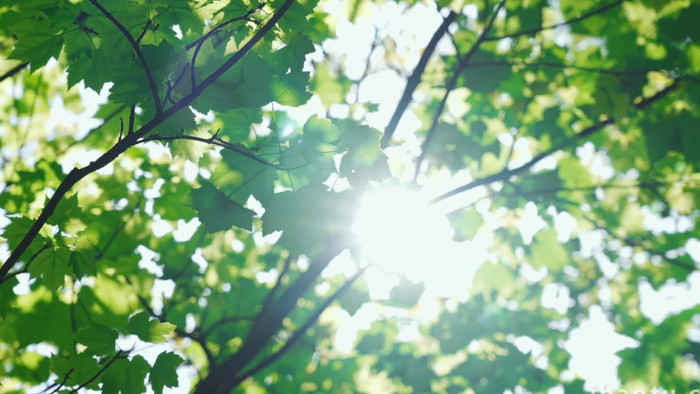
<point>137,49</point>
<point>507,173</point>
<point>302,330</point>
<point>414,79</point>
<point>132,139</point>
<point>463,63</point>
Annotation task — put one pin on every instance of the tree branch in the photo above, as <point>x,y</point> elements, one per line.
<point>26,266</point>
<point>75,175</point>
<point>226,320</point>
<point>452,84</point>
<point>98,373</point>
<point>199,42</point>
<point>632,242</point>
<point>507,173</point>
<point>137,49</point>
<point>278,283</point>
<point>301,331</point>
<point>226,375</point>
<point>14,70</point>
<point>414,79</point>
<point>60,385</point>
<point>219,142</point>
<point>195,335</point>
<point>568,22</point>
<point>566,66</point>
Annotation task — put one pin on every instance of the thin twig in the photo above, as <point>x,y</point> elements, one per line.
<point>632,242</point>
<point>14,70</point>
<point>137,49</point>
<point>267,323</point>
<point>171,87</point>
<point>507,173</point>
<point>566,66</point>
<point>143,32</point>
<point>77,174</point>
<point>219,142</point>
<point>132,116</point>
<point>278,282</point>
<point>26,266</point>
<point>199,42</point>
<point>226,320</point>
<point>92,379</point>
<point>217,29</point>
<point>414,79</point>
<point>63,381</point>
<point>301,331</point>
<point>452,83</point>
<point>568,22</point>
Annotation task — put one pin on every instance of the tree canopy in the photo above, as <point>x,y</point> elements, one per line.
<point>183,182</point>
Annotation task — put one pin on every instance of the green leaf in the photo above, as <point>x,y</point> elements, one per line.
<point>83,264</point>
<point>17,229</point>
<point>163,373</point>
<point>492,276</point>
<point>76,370</point>
<point>7,296</point>
<point>218,212</point>
<point>352,299</point>
<point>246,85</point>
<point>36,44</point>
<point>237,124</point>
<point>147,329</point>
<point>98,338</point>
<point>291,89</point>
<point>319,135</point>
<point>548,252</point>
<point>126,376</point>
<point>364,159</point>
<point>243,176</point>
<point>573,174</point>
<point>406,293</point>
<point>484,79</point>
<point>52,265</point>
<point>293,55</point>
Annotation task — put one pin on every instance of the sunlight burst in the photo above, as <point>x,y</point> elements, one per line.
<point>399,232</point>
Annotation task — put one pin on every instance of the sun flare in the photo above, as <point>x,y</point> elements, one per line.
<point>399,232</point>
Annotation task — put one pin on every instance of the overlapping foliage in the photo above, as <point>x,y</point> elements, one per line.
<point>581,110</point>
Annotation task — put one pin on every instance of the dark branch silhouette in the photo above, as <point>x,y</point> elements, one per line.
<point>568,22</point>
<point>137,49</point>
<point>301,331</point>
<point>75,175</point>
<point>227,375</point>
<point>414,79</point>
<point>566,67</point>
<point>119,354</point>
<point>214,140</point>
<point>507,173</point>
<point>197,44</point>
<point>14,70</point>
<point>639,244</point>
<point>464,62</point>
<point>31,259</point>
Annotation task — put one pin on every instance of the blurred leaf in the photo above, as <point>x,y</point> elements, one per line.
<point>548,252</point>
<point>218,212</point>
<point>147,329</point>
<point>98,338</point>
